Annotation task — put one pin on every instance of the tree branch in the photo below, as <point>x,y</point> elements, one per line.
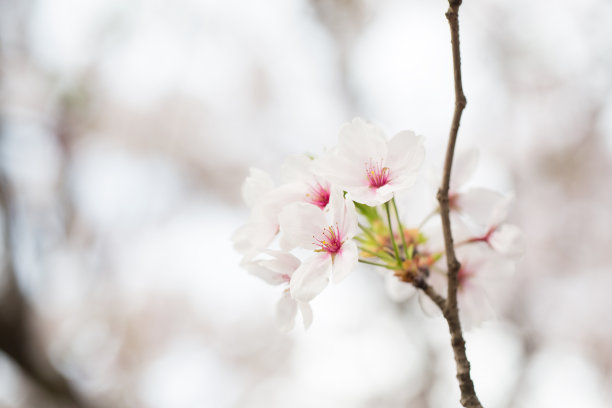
<point>15,331</point>
<point>451,311</point>
<point>420,283</point>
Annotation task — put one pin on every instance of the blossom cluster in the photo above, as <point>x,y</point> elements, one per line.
<point>333,211</point>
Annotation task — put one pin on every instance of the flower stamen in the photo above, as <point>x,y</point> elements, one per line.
<point>377,175</point>
<point>318,195</point>
<point>330,241</point>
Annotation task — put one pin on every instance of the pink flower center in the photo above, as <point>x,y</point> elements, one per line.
<point>318,196</point>
<point>329,241</point>
<point>377,175</point>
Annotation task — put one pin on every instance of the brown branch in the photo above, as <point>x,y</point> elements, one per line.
<point>451,311</point>
<point>431,293</point>
<point>17,341</point>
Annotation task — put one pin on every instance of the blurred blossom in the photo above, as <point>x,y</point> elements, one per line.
<point>126,129</point>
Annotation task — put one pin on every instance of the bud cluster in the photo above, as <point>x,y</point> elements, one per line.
<point>340,209</point>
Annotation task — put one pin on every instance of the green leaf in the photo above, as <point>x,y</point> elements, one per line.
<point>371,213</point>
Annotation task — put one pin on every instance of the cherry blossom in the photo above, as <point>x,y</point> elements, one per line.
<point>266,202</point>
<point>300,170</point>
<point>368,166</point>
<point>279,270</point>
<point>481,277</point>
<point>328,234</point>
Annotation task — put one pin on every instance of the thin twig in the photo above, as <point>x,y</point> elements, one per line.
<point>431,293</point>
<point>451,312</point>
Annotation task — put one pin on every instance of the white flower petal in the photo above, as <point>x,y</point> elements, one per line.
<point>474,306</point>
<point>299,222</point>
<point>297,168</point>
<point>240,239</point>
<point>364,195</point>
<point>349,222</point>
<point>306,311</point>
<point>286,310</point>
<point>281,262</point>
<point>345,261</point>
<point>397,290</point>
<point>266,274</point>
<point>256,185</point>
<point>361,141</point>
<point>406,152</point>
<point>428,306</point>
<point>342,211</point>
<point>464,166</point>
<point>483,206</point>
<point>342,171</point>
<point>311,277</point>
<point>508,240</point>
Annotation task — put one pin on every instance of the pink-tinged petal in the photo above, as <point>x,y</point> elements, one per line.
<point>311,277</point>
<point>461,231</point>
<point>263,224</point>
<point>342,212</point>
<point>364,195</point>
<point>254,237</point>
<point>336,205</point>
<point>262,272</point>
<point>508,240</point>
<point>240,239</point>
<point>361,141</point>
<point>344,172</point>
<point>482,206</point>
<point>271,204</point>
<point>464,166</point>
<point>500,212</point>
<point>345,261</point>
<point>428,306</point>
<point>474,307</point>
<point>297,168</point>
<point>299,223</point>
<point>406,152</point>
<point>256,185</point>
<point>397,290</point>
<point>306,311</point>
<point>349,221</point>
<point>282,263</point>
<point>384,193</point>
<point>403,180</point>
<point>286,310</point>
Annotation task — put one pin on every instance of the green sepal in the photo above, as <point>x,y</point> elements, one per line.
<point>371,213</point>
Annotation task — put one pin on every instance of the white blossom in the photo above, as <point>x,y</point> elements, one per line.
<point>279,269</point>
<point>369,167</point>
<point>328,234</point>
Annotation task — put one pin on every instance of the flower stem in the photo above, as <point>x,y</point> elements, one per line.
<point>381,255</point>
<point>367,232</point>
<point>395,248</point>
<point>376,264</point>
<point>401,228</point>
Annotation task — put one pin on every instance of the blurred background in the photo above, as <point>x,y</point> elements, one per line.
<point>127,127</point>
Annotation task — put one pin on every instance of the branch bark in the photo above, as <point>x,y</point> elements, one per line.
<point>451,310</point>
<point>16,340</point>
